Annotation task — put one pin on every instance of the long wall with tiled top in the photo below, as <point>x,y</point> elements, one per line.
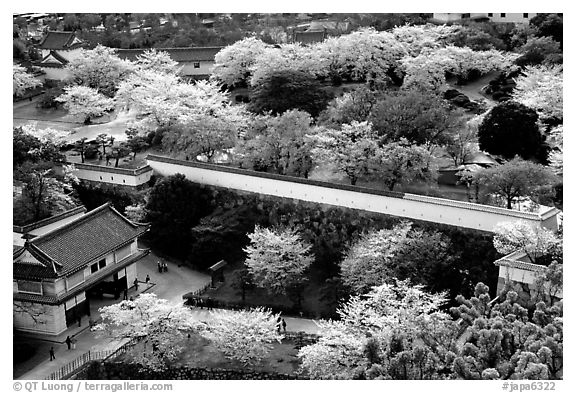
<point>444,211</point>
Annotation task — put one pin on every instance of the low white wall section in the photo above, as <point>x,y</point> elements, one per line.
<point>121,176</point>
<point>444,211</point>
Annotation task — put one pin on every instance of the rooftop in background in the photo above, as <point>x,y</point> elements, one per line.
<point>177,54</point>
<point>60,40</point>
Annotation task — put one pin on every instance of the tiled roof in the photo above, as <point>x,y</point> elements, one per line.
<point>59,40</point>
<point>43,267</point>
<point>49,220</point>
<point>91,236</point>
<point>180,55</point>
<point>88,283</point>
<point>47,62</point>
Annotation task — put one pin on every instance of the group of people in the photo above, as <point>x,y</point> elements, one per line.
<point>162,267</point>
<point>200,302</point>
<point>280,324</point>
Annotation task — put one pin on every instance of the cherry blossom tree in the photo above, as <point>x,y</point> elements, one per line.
<point>279,143</point>
<point>136,212</point>
<point>366,263</point>
<point>418,38</point>
<point>540,88</point>
<point>233,64</point>
<point>287,57</point>
<point>427,70</point>
<point>518,235</point>
<point>373,328</point>
<point>351,149</point>
<point>245,336</point>
<point>206,134</point>
<point>22,81</point>
<point>161,99</point>
<point>363,55</point>
<point>277,258</point>
<point>157,61</point>
<point>157,326</point>
<point>402,163</point>
<point>351,106</point>
<point>85,102</point>
<point>99,68</point>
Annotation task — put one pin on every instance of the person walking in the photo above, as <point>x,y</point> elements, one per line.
<point>284,325</point>
<point>147,278</point>
<point>125,294</point>
<point>52,357</point>
<point>165,267</point>
<point>136,283</point>
<point>159,267</point>
<point>68,342</point>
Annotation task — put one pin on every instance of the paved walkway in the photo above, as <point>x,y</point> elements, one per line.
<point>170,285</point>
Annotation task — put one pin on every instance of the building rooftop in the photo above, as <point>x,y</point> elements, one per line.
<point>73,245</point>
<point>179,55</point>
<point>60,40</point>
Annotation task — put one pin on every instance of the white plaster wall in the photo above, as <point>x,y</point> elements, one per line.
<point>112,178</point>
<point>132,273</point>
<point>52,320</point>
<point>188,68</point>
<point>514,17</point>
<point>448,17</point>
<point>416,207</point>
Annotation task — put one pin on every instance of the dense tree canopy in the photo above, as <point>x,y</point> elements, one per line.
<point>284,90</point>
<point>511,129</point>
<point>516,179</point>
<point>233,64</point>
<point>279,144</point>
<point>396,331</point>
<point>367,262</point>
<point>174,207</point>
<point>399,163</point>
<point>352,150</point>
<point>355,105</point>
<point>423,119</point>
